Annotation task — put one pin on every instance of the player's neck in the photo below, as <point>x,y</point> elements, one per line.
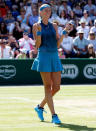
<point>45,21</point>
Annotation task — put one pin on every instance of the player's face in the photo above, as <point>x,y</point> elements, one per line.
<point>47,13</point>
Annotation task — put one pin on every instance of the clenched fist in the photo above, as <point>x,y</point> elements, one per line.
<point>39,27</point>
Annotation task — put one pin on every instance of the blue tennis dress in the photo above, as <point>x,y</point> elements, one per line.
<point>47,59</point>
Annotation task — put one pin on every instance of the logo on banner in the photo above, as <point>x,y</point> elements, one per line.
<point>7,71</point>
<point>90,71</point>
<point>69,71</point>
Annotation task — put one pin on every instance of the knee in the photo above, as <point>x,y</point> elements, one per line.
<point>47,91</point>
<point>48,87</point>
<point>56,88</point>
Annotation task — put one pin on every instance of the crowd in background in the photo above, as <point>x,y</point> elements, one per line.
<point>77,17</point>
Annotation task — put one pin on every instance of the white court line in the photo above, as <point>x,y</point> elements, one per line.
<point>63,105</point>
<point>58,104</point>
<point>16,98</point>
<point>28,126</point>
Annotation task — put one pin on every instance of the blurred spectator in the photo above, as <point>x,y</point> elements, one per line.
<point>67,45</point>
<point>64,6</point>
<point>91,8</point>
<point>83,27</point>
<point>17,4</point>
<point>14,45</point>
<point>33,19</point>
<point>62,19</point>
<point>61,53</point>
<point>26,43</point>
<point>87,18</point>
<point>72,29</point>
<point>94,27</point>
<point>17,31</point>
<point>91,53</point>
<point>80,45</point>
<point>35,6</point>
<point>3,9</point>
<point>39,3</point>
<point>15,12</point>
<point>92,39</point>
<point>18,16</point>
<point>23,20</point>
<point>83,4</point>
<point>22,54</point>
<point>71,3</point>
<point>8,3</point>
<point>28,8</point>
<point>9,20</point>
<point>33,53</point>
<point>3,31</point>
<point>5,51</point>
<point>77,10</point>
<point>54,7</point>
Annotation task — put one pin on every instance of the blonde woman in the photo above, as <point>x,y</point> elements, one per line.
<point>47,61</point>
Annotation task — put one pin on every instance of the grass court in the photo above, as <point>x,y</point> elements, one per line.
<point>75,106</point>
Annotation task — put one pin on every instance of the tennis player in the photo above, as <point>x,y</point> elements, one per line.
<point>47,61</point>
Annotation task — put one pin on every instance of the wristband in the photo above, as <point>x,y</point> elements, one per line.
<point>38,33</point>
<point>64,32</point>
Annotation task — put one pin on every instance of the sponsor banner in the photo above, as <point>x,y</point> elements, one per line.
<point>7,71</point>
<point>75,71</point>
<point>69,71</point>
<point>90,71</point>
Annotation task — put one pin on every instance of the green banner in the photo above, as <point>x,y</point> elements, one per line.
<point>75,71</point>
<point>79,71</point>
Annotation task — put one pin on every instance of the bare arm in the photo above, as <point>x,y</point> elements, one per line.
<point>37,38</point>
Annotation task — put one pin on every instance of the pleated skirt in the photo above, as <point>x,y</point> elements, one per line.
<point>47,62</point>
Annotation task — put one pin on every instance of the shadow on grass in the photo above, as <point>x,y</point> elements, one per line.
<point>76,127</point>
<point>73,127</point>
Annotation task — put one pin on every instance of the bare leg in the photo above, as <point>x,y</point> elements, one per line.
<point>56,80</point>
<point>46,77</point>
